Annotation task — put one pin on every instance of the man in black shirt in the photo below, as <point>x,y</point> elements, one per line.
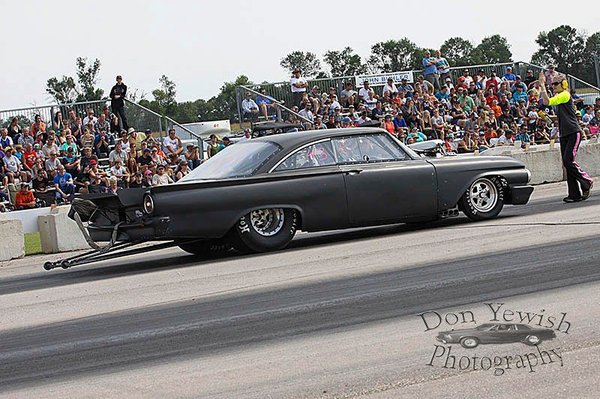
<point>570,136</point>
<point>117,103</point>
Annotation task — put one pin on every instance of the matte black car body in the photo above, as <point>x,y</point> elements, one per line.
<point>338,196</point>
<point>500,333</point>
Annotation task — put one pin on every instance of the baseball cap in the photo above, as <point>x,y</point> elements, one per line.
<point>345,119</point>
<point>130,130</point>
<point>148,131</point>
<point>147,150</point>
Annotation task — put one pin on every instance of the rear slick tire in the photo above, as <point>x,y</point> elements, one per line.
<point>206,248</point>
<point>265,230</point>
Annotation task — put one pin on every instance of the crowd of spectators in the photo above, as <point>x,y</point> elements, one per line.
<point>50,162</point>
<point>470,112</point>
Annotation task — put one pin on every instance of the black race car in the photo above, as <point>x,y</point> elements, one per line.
<point>256,194</point>
<point>496,334</point>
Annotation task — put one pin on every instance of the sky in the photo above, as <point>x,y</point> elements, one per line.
<point>201,44</point>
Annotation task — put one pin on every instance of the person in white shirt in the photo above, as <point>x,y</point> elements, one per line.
<point>389,88</point>
<point>247,135</point>
<point>307,113</point>
<point>298,86</point>
<point>90,118</point>
<point>161,178</point>
<point>119,171</point>
<point>172,144</point>
<point>334,102</point>
<point>249,107</point>
<point>364,91</point>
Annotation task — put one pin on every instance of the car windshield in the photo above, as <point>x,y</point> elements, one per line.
<point>238,160</point>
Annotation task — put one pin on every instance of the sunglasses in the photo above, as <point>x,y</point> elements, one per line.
<point>555,83</point>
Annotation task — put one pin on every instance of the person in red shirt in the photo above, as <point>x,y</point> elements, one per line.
<point>389,125</point>
<point>490,133</point>
<point>29,156</point>
<point>490,97</point>
<point>25,198</point>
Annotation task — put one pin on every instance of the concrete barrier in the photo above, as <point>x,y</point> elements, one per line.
<point>58,233</point>
<point>28,218</point>
<point>12,238</point>
<point>545,163</point>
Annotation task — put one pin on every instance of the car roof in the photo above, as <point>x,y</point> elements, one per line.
<point>294,139</point>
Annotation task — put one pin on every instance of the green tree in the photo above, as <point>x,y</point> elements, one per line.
<point>307,62</point>
<point>62,90</point>
<point>592,48</point>
<point>562,46</point>
<point>344,62</point>
<point>492,50</point>
<point>391,56</point>
<point>457,51</point>
<point>224,105</point>
<point>417,58</point>
<point>165,96</point>
<point>67,90</point>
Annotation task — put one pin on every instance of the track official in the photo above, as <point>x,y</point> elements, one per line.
<point>570,137</point>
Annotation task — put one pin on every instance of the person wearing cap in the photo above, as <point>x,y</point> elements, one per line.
<point>138,181</point>
<point>389,88</point>
<point>529,78</point>
<point>71,162</point>
<point>117,101</point>
<point>406,88</point>
<point>12,167</point>
<point>249,108</point>
<point>298,86</point>
<point>509,76</point>
<point>192,155</point>
<point>145,160</point>
<point>161,178</point>
<point>430,70</point>
<point>579,182</point>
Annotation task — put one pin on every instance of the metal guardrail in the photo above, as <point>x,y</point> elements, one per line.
<point>280,105</point>
<point>138,116</point>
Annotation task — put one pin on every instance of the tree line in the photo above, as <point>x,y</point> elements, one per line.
<point>570,50</point>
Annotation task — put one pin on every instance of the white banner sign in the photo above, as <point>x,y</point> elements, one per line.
<point>381,79</point>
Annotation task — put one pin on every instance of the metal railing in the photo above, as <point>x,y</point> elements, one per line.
<point>138,116</point>
<point>281,90</point>
<point>240,90</point>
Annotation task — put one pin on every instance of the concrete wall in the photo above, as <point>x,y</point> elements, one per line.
<point>28,218</point>
<point>58,233</point>
<point>12,240</point>
<point>545,163</point>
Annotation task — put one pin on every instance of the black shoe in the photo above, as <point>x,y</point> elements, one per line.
<point>587,193</point>
<point>569,200</point>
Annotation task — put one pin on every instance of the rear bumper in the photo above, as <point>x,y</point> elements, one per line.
<point>519,195</point>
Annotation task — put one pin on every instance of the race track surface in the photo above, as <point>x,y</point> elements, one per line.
<point>335,315</point>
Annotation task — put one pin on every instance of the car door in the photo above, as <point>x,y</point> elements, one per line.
<point>311,179</point>
<point>383,183</point>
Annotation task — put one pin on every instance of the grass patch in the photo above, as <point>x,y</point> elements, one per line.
<point>33,245</point>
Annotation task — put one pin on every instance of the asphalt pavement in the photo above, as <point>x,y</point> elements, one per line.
<point>335,315</point>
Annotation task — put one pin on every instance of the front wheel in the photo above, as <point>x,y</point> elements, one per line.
<point>265,230</point>
<point>483,200</point>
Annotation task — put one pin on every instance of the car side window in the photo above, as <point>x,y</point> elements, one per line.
<point>367,148</point>
<point>315,155</point>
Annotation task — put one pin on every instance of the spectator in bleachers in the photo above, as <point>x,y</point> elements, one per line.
<point>64,186</point>
<point>102,144</point>
<point>71,162</point>
<point>69,144</point>
<point>12,167</point>
<point>120,172</point>
<point>405,88</point>
<point>137,181</point>
<point>38,128</point>
<point>266,104</point>
<point>161,178</point>
<point>25,137</point>
<point>90,118</point>
<point>41,188</point>
<point>5,139</point>
<point>50,147</point>
<point>52,164</point>
<point>145,161</point>
<point>102,124</point>
<point>306,112</point>
<point>117,154</point>
<point>172,144</point>
<point>298,86</point>
<point>182,171</point>
<point>364,91</point>
<point>192,155</point>
<point>348,96</point>
<point>117,101</point>
<point>14,130</point>
<point>431,71</point>
<point>58,124</point>
<point>249,108</point>
<point>25,198</point>
<point>389,88</point>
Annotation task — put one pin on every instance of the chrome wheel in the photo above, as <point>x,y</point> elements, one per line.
<point>483,195</point>
<point>469,342</point>
<point>533,340</point>
<point>267,222</point>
